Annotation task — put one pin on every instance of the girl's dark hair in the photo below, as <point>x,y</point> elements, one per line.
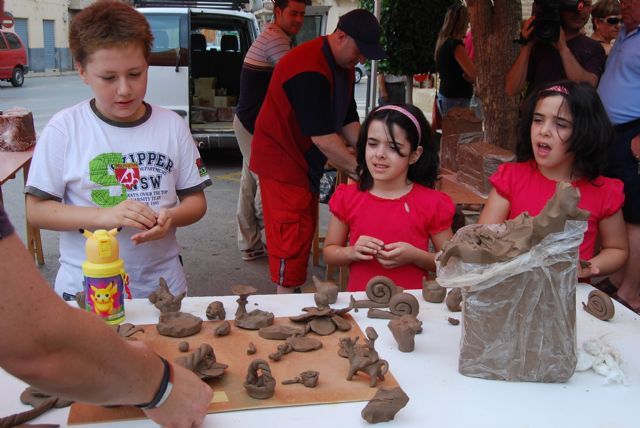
<point>592,133</point>
<point>425,170</point>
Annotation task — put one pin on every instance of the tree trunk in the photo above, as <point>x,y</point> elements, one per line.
<point>494,25</point>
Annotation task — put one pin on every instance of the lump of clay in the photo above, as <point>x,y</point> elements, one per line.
<point>308,378</point>
<point>162,298</point>
<point>80,300</point>
<point>178,324</point>
<point>327,289</point>
<point>432,292</point>
<point>127,330</point>
<point>215,311</point>
<point>17,133</point>
<point>279,332</point>
<point>259,382</point>
<point>183,346</point>
<point>255,319</point>
<point>203,363</point>
<point>600,305</point>
<point>223,329</point>
<point>251,349</point>
<point>404,330</point>
<point>454,300</point>
<point>37,398</point>
<point>384,405</point>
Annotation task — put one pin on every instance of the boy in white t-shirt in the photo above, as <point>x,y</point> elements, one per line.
<point>116,161</point>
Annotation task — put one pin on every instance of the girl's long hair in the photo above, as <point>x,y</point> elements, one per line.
<point>425,170</point>
<point>454,26</point>
<point>592,133</point>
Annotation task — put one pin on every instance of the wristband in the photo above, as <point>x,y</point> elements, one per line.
<point>164,390</point>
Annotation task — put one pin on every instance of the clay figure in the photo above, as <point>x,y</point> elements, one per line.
<point>278,332</point>
<point>255,319</point>
<point>183,346</point>
<point>259,382</point>
<point>399,304</point>
<point>41,402</point>
<point>162,298</point>
<point>380,290</point>
<point>454,299</point>
<point>404,330</point>
<point>251,349</point>
<point>370,364</point>
<point>127,330</point>
<point>329,289</point>
<point>296,343</point>
<point>223,329</point>
<point>432,292</point>
<point>600,305</point>
<point>323,321</point>
<point>308,378</point>
<point>203,362</point>
<point>384,405</point>
<point>215,311</point>
<point>178,324</point>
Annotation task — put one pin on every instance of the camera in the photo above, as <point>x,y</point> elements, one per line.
<point>546,26</point>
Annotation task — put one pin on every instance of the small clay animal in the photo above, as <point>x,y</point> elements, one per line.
<point>162,298</point>
<point>371,364</point>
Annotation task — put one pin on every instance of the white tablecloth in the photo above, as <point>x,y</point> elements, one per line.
<point>439,395</point>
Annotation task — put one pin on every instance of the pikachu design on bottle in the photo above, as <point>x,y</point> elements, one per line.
<point>105,281</point>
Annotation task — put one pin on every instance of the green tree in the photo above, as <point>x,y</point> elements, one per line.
<point>409,32</point>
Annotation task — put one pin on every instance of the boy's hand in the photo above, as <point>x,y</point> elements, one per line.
<point>365,248</point>
<point>158,231</point>
<point>130,213</point>
<point>396,254</point>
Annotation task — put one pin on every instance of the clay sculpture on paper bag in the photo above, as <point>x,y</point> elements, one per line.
<point>518,281</point>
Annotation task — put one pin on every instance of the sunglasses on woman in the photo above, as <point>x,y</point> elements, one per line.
<point>613,20</point>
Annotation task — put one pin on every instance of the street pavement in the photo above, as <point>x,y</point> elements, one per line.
<point>211,259</point>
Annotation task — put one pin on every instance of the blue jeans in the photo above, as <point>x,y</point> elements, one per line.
<point>445,104</point>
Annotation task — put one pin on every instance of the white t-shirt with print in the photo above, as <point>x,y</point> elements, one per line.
<point>84,159</point>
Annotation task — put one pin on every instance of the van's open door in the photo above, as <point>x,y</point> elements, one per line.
<point>169,62</point>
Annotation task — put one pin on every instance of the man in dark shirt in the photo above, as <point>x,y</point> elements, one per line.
<point>573,57</point>
<point>308,116</point>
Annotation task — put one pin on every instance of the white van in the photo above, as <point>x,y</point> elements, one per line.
<point>196,60</point>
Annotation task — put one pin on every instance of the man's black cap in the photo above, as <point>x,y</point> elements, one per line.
<point>364,28</point>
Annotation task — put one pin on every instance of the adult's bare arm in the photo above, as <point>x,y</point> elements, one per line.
<point>350,132</point>
<point>42,347</point>
<point>334,147</point>
<point>572,68</point>
<point>517,74</point>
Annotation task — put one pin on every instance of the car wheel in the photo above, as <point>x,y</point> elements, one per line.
<point>17,77</point>
<point>358,75</point>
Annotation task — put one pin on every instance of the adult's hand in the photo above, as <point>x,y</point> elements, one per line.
<point>187,404</point>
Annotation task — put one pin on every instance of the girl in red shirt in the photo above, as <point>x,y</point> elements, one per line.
<point>564,135</point>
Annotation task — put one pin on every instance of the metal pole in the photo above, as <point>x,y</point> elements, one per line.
<point>372,98</point>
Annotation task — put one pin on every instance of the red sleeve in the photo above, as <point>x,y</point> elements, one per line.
<point>444,209</point>
<point>501,180</point>
<point>338,202</point>
<point>614,197</point>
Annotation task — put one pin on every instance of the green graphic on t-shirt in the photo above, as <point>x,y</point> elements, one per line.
<point>99,174</point>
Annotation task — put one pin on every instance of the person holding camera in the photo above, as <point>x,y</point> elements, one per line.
<point>554,48</point>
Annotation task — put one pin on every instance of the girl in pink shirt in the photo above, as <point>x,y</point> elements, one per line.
<point>564,135</point>
<point>382,224</point>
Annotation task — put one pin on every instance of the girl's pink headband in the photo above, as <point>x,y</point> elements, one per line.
<point>407,114</point>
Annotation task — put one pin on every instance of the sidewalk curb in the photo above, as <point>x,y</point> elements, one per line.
<point>50,73</point>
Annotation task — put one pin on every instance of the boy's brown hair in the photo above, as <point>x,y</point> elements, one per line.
<point>107,24</point>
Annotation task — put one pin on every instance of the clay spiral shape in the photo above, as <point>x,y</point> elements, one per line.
<point>192,361</point>
<point>599,305</point>
<point>380,289</point>
<point>404,304</point>
<point>21,418</point>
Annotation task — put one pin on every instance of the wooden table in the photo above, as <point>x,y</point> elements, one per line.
<point>459,193</point>
<point>10,164</point>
